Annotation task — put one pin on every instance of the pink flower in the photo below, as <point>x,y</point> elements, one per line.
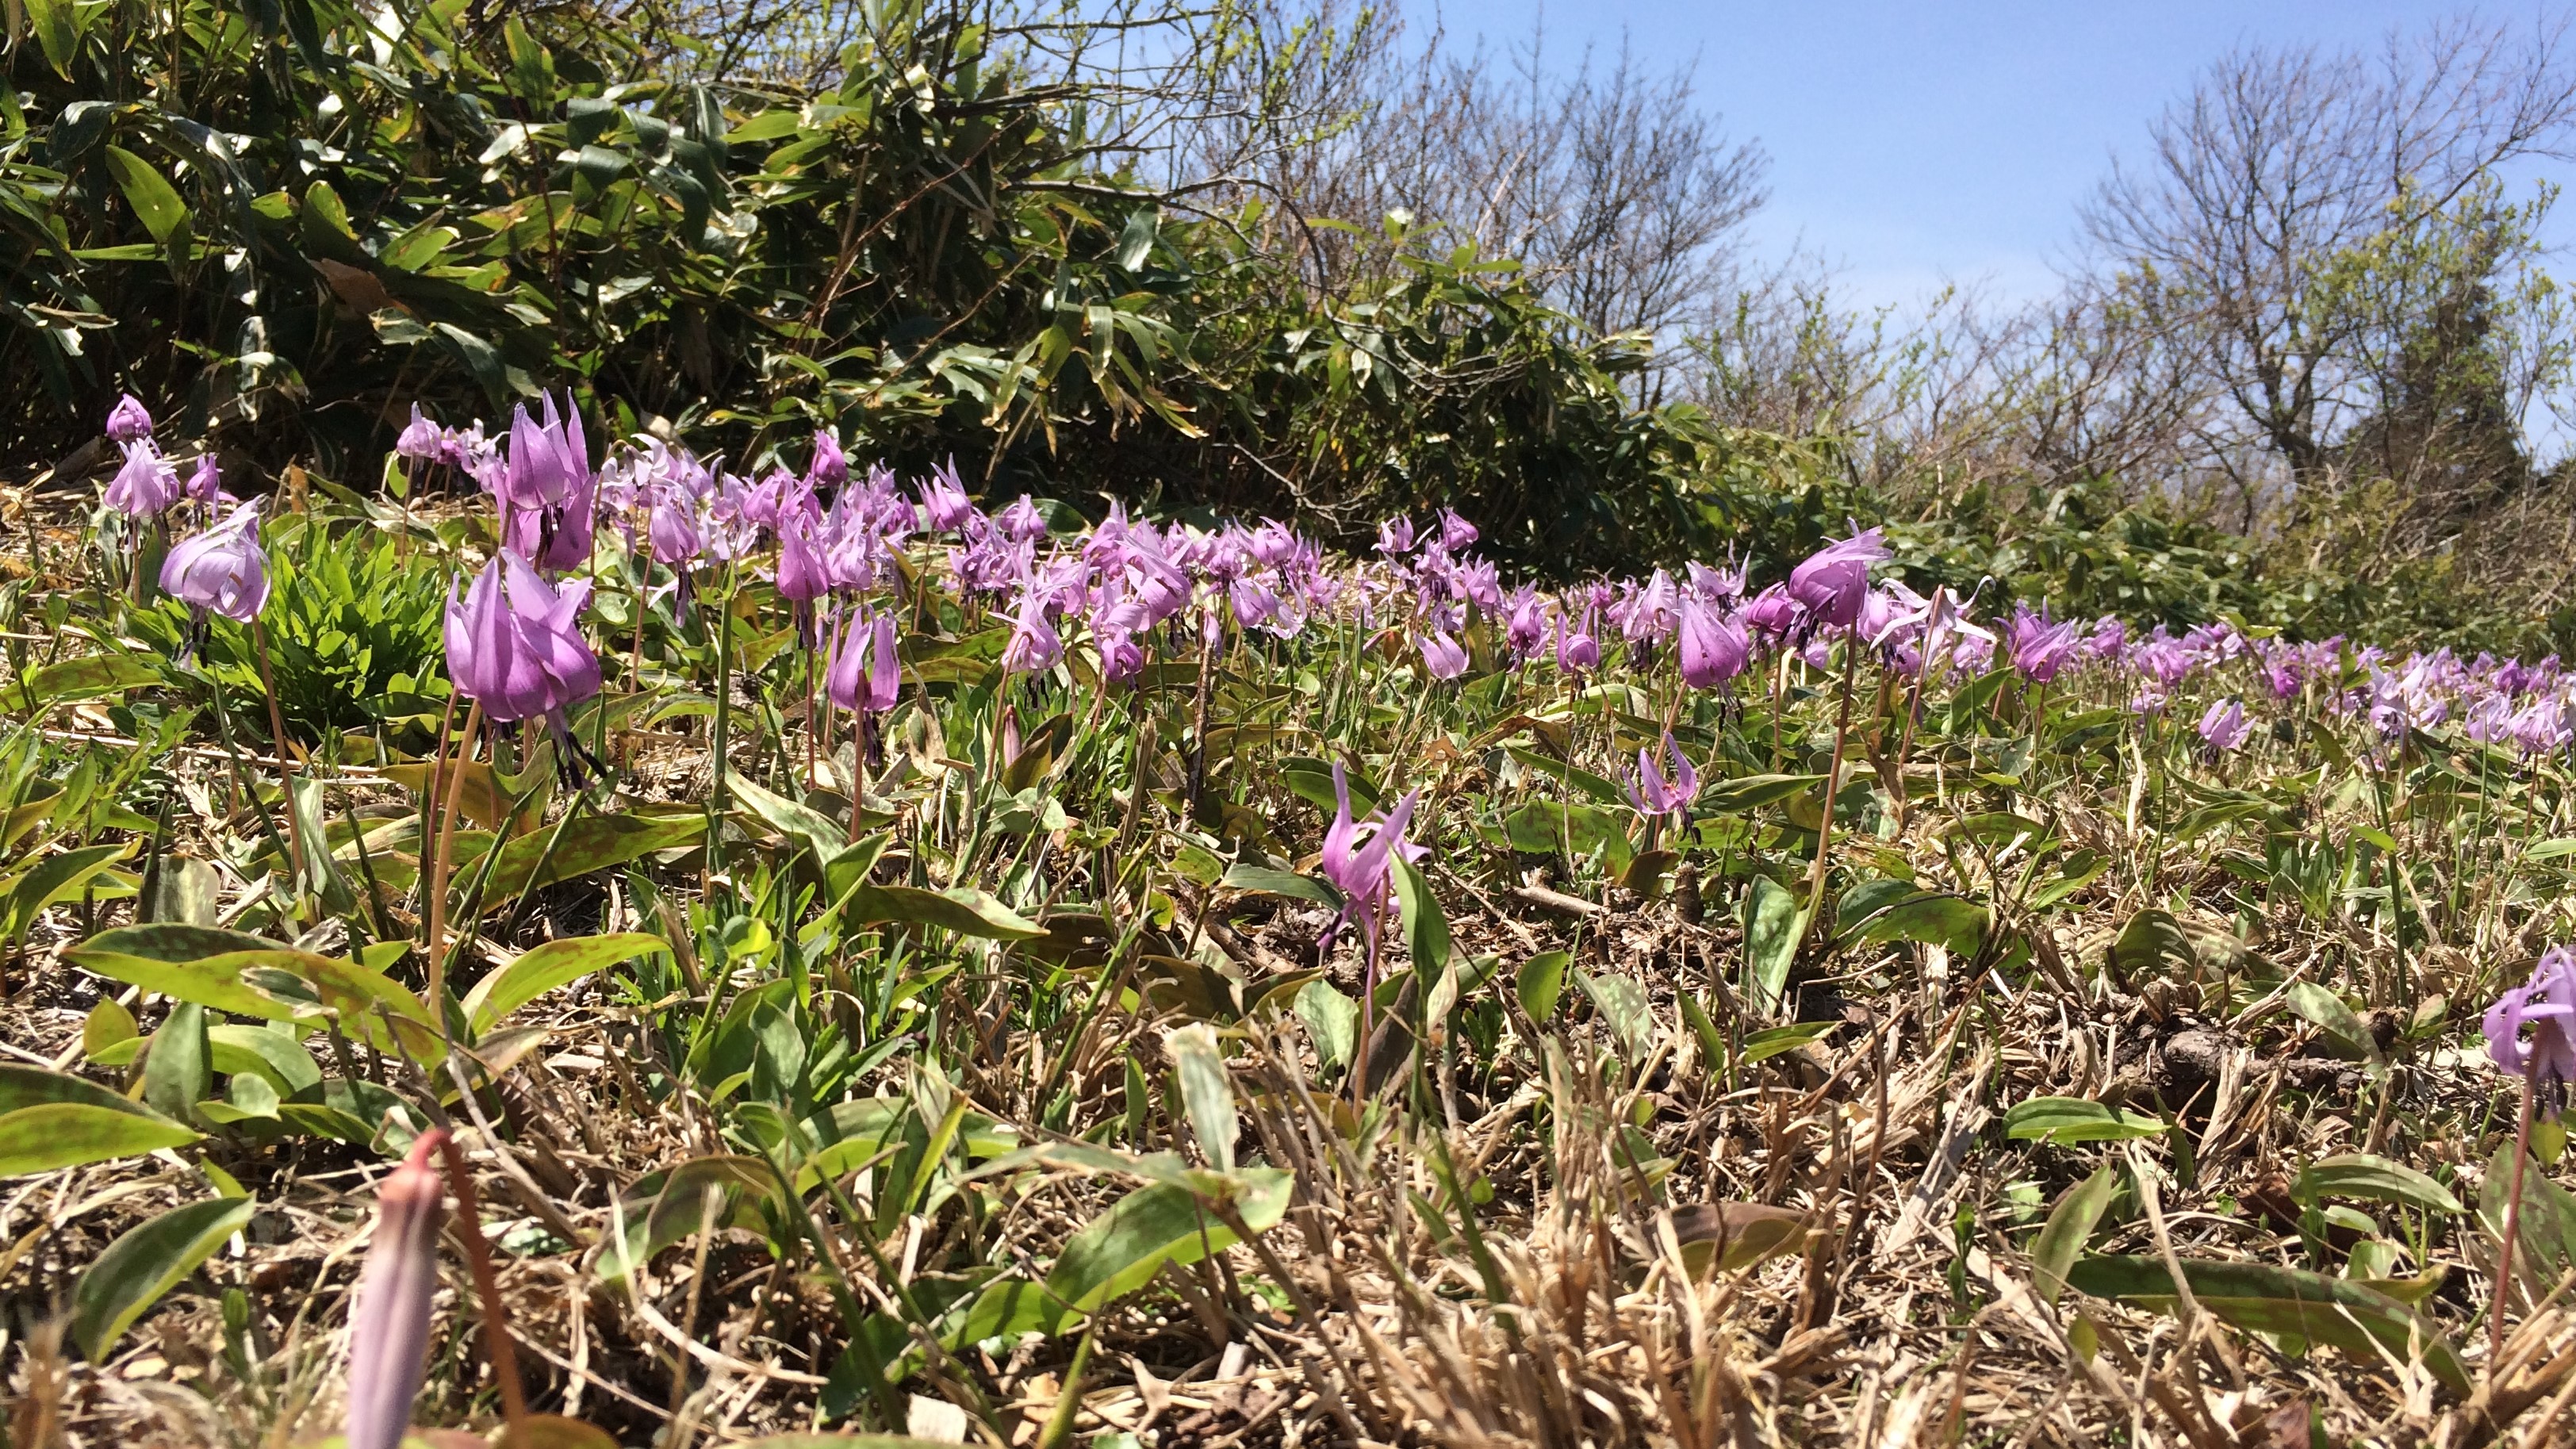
<point>514,642</point>
<point>2224,728</point>
<point>2546,1005</point>
<point>1442,656</point>
<point>389,1327</point>
<point>1653,794</point>
<point>1359,856</point>
<point>1715,647</point>
<point>221,570</point>
<point>863,674</point>
<point>147,485</point>
<point>129,421</point>
<point>1835,579</point>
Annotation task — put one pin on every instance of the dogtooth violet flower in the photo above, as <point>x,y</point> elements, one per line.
<point>514,642</point>
<point>545,489</point>
<point>1835,579</point>
<point>1653,794</point>
<point>147,485</point>
<point>222,570</point>
<point>1442,656</point>
<point>389,1325</point>
<point>2041,647</point>
<point>420,439</point>
<point>1714,646</point>
<point>2224,728</point>
<point>863,674</point>
<point>1773,611</point>
<point>1359,856</point>
<point>206,483</point>
<point>2531,1029</point>
<point>129,421</point>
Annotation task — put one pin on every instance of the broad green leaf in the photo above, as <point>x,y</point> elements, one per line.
<point>145,1263</point>
<point>176,1073</point>
<point>1207,1092</point>
<point>2070,1225</point>
<point>1770,1042</point>
<point>2069,1120</point>
<point>1931,917</point>
<point>2326,1010</point>
<point>272,1052</point>
<point>1263,880</point>
<point>1121,1250</point>
<point>24,1084</point>
<point>556,963</point>
<point>1752,792</point>
<point>1332,1021</point>
<point>203,964</point>
<point>1599,788</point>
<point>57,30</point>
<point>663,1208</point>
<point>1623,1004</point>
<point>53,878</point>
<point>967,912</point>
<point>2256,1296</point>
<point>88,678</point>
<point>586,844</point>
<point>68,1134</point>
<point>1426,926</point>
<point>1540,982</point>
<point>798,822</point>
<point>156,203</point>
<point>1773,927</point>
<point>2362,1175</point>
<point>2151,946</point>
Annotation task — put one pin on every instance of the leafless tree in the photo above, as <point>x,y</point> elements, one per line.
<point>2233,242</point>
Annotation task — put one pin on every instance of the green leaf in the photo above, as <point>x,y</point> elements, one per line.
<point>556,963</point>
<point>1931,917</point>
<point>2068,1120</point>
<point>1773,927</point>
<point>1263,880</point>
<point>2070,1225</point>
<point>176,1073</point>
<point>967,912</point>
<point>1331,1019</point>
<point>1770,1042</point>
<point>58,29</point>
<point>145,1263</point>
<point>1540,982</point>
<point>88,677</point>
<point>1426,927</point>
<point>68,1134</point>
<point>1623,1004</point>
<point>1121,1250</point>
<point>586,844</point>
<point>1752,792</point>
<point>203,964</point>
<point>2264,1299</point>
<point>2361,1175</point>
<point>1598,787</point>
<point>2152,945</point>
<point>52,879</point>
<point>156,203</point>
<point>1207,1091</point>
<point>1728,1237</point>
<point>2324,1009</point>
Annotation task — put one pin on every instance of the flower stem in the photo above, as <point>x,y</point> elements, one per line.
<point>285,760</point>
<point>487,1287</point>
<point>437,938</point>
<point>2512,1228</point>
<point>1833,777</point>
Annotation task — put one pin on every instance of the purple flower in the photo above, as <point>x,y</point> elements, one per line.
<point>1715,647</point>
<point>943,500</point>
<point>1021,522</point>
<point>802,577</point>
<point>421,439</point>
<point>673,529</point>
<point>514,642</point>
<point>1395,537</point>
<point>1359,857</point>
<point>863,674</point>
<point>221,570</point>
<point>1034,646</point>
<point>1455,532</point>
<point>147,485</point>
<point>1577,651</point>
<point>545,490</point>
<point>2224,728</point>
<point>389,1326</point>
<point>1441,655</point>
<point>1835,579</point>
<point>1653,794</point>
<point>129,421</point>
<point>831,466</point>
<point>1773,611</point>
<point>2040,646</point>
<point>2547,1006</point>
<point>206,483</point>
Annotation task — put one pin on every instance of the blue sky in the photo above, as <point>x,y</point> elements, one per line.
<point>1916,143</point>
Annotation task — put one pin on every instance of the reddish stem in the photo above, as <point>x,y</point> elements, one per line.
<point>487,1287</point>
